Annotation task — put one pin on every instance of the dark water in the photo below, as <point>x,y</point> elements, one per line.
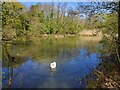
<point>75,58</point>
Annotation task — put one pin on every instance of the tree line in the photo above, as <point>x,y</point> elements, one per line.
<point>58,18</point>
<point>52,18</point>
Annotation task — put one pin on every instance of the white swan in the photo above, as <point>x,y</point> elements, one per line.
<point>53,65</point>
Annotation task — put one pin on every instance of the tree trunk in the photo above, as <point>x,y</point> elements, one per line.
<point>11,77</point>
<point>119,29</point>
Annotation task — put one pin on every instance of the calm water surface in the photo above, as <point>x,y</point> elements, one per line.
<point>75,58</point>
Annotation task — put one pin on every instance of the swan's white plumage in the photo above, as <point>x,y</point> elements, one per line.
<point>53,65</point>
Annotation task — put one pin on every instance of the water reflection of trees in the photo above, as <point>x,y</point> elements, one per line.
<point>10,61</point>
<point>50,49</point>
<point>53,49</point>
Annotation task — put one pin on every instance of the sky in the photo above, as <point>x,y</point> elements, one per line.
<point>67,0</point>
<point>28,4</point>
<point>69,4</point>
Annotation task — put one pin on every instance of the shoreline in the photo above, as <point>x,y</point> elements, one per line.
<point>51,36</point>
<point>60,37</point>
<point>57,36</point>
<point>104,76</point>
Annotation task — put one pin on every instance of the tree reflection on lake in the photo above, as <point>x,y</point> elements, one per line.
<point>75,57</point>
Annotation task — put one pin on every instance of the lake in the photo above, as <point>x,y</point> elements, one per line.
<point>76,57</point>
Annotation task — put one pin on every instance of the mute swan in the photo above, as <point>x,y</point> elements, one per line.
<point>53,65</point>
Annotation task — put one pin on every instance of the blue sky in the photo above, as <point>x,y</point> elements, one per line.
<point>68,0</point>
<point>28,4</point>
<point>69,4</point>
